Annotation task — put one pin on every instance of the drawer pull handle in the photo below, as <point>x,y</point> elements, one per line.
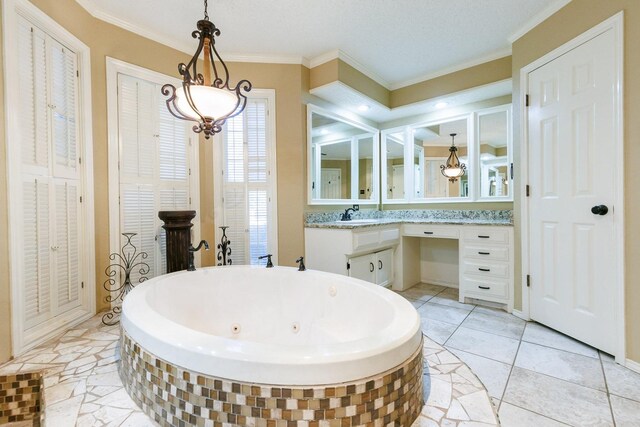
<point>484,269</point>
<point>380,265</point>
<point>483,237</point>
<point>484,253</point>
<point>484,287</point>
<point>371,267</point>
<point>428,232</point>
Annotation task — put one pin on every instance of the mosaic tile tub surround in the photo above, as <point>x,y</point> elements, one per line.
<point>21,397</point>
<point>175,396</point>
<point>440,215</point>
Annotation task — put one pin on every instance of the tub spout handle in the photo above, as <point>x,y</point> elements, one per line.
<point>268,257</point>
<point>191,266</point>
<point>301,266</point>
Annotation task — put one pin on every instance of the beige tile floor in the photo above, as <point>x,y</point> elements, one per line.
<point>82,386</point>
<point>535,376</point>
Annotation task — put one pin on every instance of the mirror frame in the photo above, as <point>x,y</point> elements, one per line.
<point>383,161</point>
<point>508,109</point>
<point>314,109</point>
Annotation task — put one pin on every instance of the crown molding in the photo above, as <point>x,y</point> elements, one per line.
<point>187,48</point>
<point>338,54</point>
<point>458,67</point>
<point>538,19</point>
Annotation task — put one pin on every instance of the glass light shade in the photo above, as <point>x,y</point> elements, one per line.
<point>452,172</point>
<point>210,101</point>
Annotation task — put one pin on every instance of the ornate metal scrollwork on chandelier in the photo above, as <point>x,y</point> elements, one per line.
<point>201,99</point>
<point>453,169</point>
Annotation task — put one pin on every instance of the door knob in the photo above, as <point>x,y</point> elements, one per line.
<point>599,210</point>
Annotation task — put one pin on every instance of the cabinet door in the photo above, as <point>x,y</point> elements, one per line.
<point>363,267</point>
<point>384,266</point>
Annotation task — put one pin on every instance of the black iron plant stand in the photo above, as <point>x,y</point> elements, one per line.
<point>125,262</point>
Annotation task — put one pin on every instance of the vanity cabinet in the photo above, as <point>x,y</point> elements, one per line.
<point>486,264</point>
<point>375,268</point>
<point>352,252</point>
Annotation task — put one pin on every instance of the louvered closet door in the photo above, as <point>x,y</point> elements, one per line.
<point>37,241</point>
<point>66,249</point>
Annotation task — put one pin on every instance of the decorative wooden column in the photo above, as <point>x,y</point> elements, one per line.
<point>178,227</point>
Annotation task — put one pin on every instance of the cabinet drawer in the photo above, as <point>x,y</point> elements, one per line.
<point>487,235</point>
<point>481,287</point>
<point>438,231</point>
<point>495,253</point>
<point>489,269</point>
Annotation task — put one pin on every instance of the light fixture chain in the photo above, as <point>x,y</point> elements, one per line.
<point>206,13</point>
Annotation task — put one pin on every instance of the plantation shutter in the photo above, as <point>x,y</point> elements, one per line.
<point>246,183</point>
<point>63,107</point>
<point>36,251</point>
<point>154,167</point>
<point>34,118</point>
<point>67,247</point>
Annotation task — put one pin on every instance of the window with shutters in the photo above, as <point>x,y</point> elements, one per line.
<point>246,166</point>
<point>154,157</point>
<point>49,240</point>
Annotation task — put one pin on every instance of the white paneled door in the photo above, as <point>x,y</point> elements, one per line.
<point>572,177</point>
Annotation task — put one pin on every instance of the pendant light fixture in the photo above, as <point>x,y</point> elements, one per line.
<point>206,98</point>
<point>453,169</point>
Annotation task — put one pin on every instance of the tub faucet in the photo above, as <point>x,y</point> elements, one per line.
<point>268,257</point>
<point>192,251</point>
<point>346,216</point>
<point>301,266</point>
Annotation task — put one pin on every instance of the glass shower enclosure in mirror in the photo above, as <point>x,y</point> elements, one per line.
<point>433,144</point>
<point>342,159</point>
<point>494,139</point>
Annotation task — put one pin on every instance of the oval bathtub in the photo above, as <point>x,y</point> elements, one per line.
<point>272,326</point>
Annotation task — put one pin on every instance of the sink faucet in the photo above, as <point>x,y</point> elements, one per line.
<point>301,266</point>
<point>268,257</point>
<point>192,251</point>
<point>346,216</point>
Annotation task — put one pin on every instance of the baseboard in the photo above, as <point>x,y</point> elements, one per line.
<point>520,314</point>
<point>439,283</point>
<point>633,365</point>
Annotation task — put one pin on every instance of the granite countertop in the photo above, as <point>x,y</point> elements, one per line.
<point>390,221</point>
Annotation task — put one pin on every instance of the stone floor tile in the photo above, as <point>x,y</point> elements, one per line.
<point>422,291</point>
<point>488,322</point>
<point>484,344</point>
<point>540,334</point>
<point>513,416</point>
<point>572,367</point>
<point>493,374</point>
<point>626,412</point>
<point>436,330</point>
<point>621,381</point>
<point>441,313</point>
<point>558,399</point>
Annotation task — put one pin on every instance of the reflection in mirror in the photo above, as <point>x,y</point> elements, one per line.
<point>365,168</point>
<point>394,157</point>
<point>493,135</point>
<point>432,144</point>
<point>342,160</point>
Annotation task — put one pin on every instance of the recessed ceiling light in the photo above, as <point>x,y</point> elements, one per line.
<point>441,104</point>
<point>363,107</point>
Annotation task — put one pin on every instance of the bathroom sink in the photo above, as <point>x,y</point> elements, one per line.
<point>359,221</point>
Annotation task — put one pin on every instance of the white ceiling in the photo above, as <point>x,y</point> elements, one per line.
<point>397,42</point>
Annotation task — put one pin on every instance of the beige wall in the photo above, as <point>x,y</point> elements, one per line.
<point>108,40</point>
<point>572,20</point>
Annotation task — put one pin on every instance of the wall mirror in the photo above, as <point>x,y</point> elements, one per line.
<point>494,136</point>
<point>432,143</point>
<point>342,159</point>
<point>393,165</point>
